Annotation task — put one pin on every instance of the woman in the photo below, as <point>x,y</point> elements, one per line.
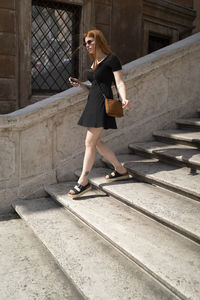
<point>105,69</point>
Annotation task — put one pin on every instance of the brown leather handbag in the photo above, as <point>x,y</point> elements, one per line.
<point>113,108</point>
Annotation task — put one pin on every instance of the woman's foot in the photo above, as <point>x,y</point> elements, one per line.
<point>79,190</point>
<point>116,175</point>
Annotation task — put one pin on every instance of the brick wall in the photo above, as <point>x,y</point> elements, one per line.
<point>8,49</point>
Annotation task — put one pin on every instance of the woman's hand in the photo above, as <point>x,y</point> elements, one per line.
<point>74,81</point>
<point>126,104</point>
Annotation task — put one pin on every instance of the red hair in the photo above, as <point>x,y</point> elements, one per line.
<point>100,42</point>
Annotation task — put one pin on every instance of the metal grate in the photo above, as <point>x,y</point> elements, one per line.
<point>55,37</point>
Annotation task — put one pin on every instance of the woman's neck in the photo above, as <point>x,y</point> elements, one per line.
<point>100,55</point>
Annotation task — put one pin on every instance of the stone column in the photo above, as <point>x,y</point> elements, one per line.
<point>24,11</point>
<point>197,20</point>
<point>8,49</point>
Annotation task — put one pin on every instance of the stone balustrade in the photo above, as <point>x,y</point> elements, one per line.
<point>42,143</point>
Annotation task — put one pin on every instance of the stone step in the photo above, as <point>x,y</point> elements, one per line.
<point>160,251</point>
<point>178,212</point>
<point>27,270</point>
<point>93,265</point>
<point>181,154</point>
<point>191,138</point>
<point>146,148</point>
<point>189,123</point>
<point>174,178</point>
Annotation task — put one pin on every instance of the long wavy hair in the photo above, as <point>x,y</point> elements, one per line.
<point>100,42</point>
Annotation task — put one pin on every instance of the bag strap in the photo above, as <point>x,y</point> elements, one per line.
<point>118,96</point>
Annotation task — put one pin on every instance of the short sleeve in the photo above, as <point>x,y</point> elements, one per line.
<point>115,63</point>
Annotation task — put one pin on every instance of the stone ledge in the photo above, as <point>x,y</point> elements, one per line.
<point>172,6</point>
<point>41,110</point>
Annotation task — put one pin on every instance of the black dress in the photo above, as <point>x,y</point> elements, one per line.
<point>94,113</point>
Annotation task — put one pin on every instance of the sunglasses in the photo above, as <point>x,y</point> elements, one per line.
<point>89,42</point>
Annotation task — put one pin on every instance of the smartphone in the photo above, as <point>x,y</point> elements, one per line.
<point>73,80</point>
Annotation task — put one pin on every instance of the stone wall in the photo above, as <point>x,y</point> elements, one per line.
<point>197,20</point>
<point>8,55</point>
<point>42,143</point>
<point>127,29</point>
<point>187,3</point>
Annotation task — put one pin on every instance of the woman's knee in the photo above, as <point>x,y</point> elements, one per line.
<point>92,137</point>
<point>90,143</point>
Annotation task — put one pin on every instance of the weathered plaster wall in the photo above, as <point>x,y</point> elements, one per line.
<point>42,143</point>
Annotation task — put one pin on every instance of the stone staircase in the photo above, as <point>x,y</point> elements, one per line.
<point>134,239</point>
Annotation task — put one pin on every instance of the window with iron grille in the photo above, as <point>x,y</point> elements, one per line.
<point>55,38</point>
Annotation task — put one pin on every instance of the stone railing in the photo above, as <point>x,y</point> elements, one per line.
<point>42,143</point>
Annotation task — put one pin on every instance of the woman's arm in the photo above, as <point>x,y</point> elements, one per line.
<point>121,88</point>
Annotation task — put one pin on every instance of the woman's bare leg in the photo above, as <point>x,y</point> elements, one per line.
<point>106,152</point>
<point>92,137</point>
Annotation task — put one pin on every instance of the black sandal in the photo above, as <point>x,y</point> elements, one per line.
<point>114,176</point>
<point>79,190</point>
